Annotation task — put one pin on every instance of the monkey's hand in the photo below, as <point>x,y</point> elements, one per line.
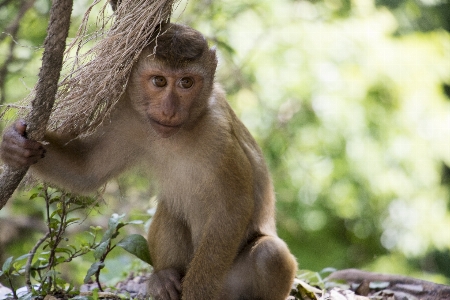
<point>17,150</point>
<point>165,285</point>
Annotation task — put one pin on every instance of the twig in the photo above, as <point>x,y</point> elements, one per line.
<point>30,260</point>
<point>12,288</point>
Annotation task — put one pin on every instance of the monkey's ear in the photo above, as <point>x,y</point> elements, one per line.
<point>212,58</point>
<point>114,4</point>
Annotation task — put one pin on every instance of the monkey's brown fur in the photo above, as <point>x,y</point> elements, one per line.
<point>213,235</point>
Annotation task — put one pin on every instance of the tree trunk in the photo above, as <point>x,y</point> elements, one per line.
<point>46,87</point>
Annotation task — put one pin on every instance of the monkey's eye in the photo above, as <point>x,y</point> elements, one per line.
<point>159,81</point>
<point>186,82</point>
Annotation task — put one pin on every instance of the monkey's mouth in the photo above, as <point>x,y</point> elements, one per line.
<point>165,130</point>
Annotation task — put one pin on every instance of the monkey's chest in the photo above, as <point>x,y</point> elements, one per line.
<point>184,184</point>
<point>186,173</point>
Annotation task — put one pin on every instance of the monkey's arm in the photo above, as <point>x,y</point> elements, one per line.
<point>82,165</point>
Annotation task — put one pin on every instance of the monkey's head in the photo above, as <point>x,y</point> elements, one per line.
<point>173,79</point>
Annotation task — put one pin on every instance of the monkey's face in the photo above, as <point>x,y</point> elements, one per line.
<point>167,98</point>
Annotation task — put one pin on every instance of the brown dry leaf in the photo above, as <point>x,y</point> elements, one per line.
<point>307,291</point>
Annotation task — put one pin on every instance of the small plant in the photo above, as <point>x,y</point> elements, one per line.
<point>134,244</point>
<point>51,251</point>
<point>13,267</point>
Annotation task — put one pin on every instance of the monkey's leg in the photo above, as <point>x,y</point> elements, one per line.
<point>264,270</point>
<point>170,249</point>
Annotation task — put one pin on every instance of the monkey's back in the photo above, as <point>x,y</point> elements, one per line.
<point>263,220</point>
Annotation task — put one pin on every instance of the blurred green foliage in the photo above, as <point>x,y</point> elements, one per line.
<point>349,101</point>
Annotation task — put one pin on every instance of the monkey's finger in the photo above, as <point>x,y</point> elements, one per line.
<point>17,157</point>
<point>18,161</point>
<point>173,293</point>
<point>13,161</point>
<point>23,147</point>
<point>160,288</point>
<point>173,286</point>
<point>21,127</point>
<point>169,290</point>
<point>176,282</point>
<point>31,145</point>
<point>175,278</point>
<point>166,295</point>
<point>18,136</point>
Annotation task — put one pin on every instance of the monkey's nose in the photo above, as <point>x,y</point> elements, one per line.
<point>169,108</point>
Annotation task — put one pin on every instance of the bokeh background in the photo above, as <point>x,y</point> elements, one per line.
<point>349,101</point>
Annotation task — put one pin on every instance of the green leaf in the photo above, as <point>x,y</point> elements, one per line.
<point>7,265</point>
<point>137,245</point>
<point>120,225</point>
<point>109,232</point>
<point>51,274</point>
<point>34,196</point>
<point>27,296</point>
<point>60,281</point>
<point>21,271</point>
<point>307,291</point>
<point>116,234</point>
<point>71,221</point>
<point>55,199</point>
<point>36,264</point>
<point>60,260</point>
<point>92,270</point>
<point>22,257</point>
<point>114,224</point>
<point>63,250</point>
<point>101,249</point>
<point>70,289</point>
<point>53,214</point>
<point>114,221</point>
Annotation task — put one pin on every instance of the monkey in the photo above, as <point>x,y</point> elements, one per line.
<point>213,235</point>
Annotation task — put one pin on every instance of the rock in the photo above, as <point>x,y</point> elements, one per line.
<point>4,291</point>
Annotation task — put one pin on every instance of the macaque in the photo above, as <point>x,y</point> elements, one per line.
<point>213,235</point>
